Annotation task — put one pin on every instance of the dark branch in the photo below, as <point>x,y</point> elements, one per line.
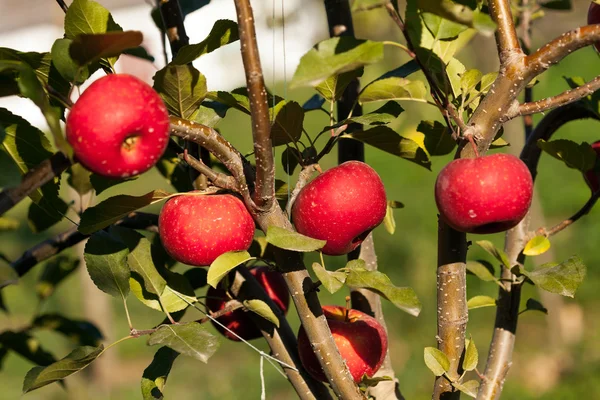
<point>587,207</point>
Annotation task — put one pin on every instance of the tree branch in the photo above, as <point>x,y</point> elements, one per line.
<point>507,312</point>
<point>282,340</point>
<point>587,207</point>
<point>259,108</point>
<point>33,180</point>
<point>218,179</point>
<point>506,35</point>
<point>559,100</point>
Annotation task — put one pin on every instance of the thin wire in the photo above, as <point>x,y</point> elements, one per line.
<point>263,392</point>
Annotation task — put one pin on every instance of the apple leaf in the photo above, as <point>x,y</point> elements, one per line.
<point>262,309</point>
<point>536,246</point>
<point>388,221</point>
<point>562,5</point>
<point>55,271</point>
<point>237,99</point>
<point>333,87</point>
<point>289,119</point>
<point>436,361</point>
<point>75,361</point>
<point>182,87</point>
<point>225,263</point>
<point>331,280</point>
<point>65,65</point>
<point>86,16</point>
<point>335,56</point>
<point>438,140</point>
<point>393,88</point>
<point>155,375</point>
<point>114,208</point>
<point>290,240</point>
<point>469,388</point>
<point>366,381</point>
<point>49,210</point>
<point>563,278</point>
<point>480,301</point>
<point>83,333</point>
<point>8,275</point>
<point>106,261</point>
<point>26,346</point>
<point>388,140</point>
<point>497,253</point>
<point>222,33</point>
<point>483,270</point>
<point>383,115</point>
<point>471,356</point>
<point>578,156</point>
<point>100,183</point>
<point>441,28</point>
<point>79,179</point>
<point>290,159</point>
<point>402,297</point>
<point>190,339</point>
<point>87,48</point>
<point>534,305</point>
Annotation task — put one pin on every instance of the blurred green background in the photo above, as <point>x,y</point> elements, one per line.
<point>556,356</point>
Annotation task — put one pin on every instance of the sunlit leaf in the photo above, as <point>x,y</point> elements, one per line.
<point>536,246</point>
<point>291,240</point>
<point>262,309</point>
<point>223,32</point>
<point>331,280</point>
<point>190,339</point>
<point>225,263</point>
<point>480,301</point>
<point>436,361</point>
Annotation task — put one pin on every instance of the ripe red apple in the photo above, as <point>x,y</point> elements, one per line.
<point>486,194</point>
<point>594,18</point>
<point>360,338</point>
<point>592,177</point>
<point>341,206</point>
<point>238,320</point>
<point>119,127</point>
<point>196,229</point>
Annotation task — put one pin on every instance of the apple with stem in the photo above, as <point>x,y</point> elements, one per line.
<point>486,194</point>
<point>119,127</point>
<point>195,229</point>
<point>592,176</point>
<point>238,320</point>
<point>342,206</point>
<point>360,339</point>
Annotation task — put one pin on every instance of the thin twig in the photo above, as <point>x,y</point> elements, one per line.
<point>587,207</point>
<point>217,178</point>
<point>62,5</point>
<point>231,306</point>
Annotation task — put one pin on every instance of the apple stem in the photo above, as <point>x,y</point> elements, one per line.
<point>473,145</point>
<point>347,310</point>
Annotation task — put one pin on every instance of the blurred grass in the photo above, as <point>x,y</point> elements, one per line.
<point>540,371</point>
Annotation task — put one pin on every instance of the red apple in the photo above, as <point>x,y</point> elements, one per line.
<point>485,194</point>
<point>196,229</point>
<point>341,206</point>
<point>360,338</point>
<point>592,177</point>
<point>594,18</point>
<point>238,320</point>
<point>119,127</point>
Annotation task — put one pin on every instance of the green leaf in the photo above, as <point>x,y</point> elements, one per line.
<point>366,382</point>
<point>563,278</point>
<point>114,208</point>
<point>383,115</point>
<point>55,271</point>
<point>77,360</point>
<point>86,16</point>
<point>223,32</point>
<point>536,246</point>
<point>394,88</point>
<point>561,5</point>
<point>388,221</point>
<point>26,346</point>
<point>483,270</point>
<point>106,261</point>
<point>386,139</point>
<point>331,280</point>
<point>66,66</point>
<point>210,113</point>
<point>497,253</point>
<point>8,224</point>
<point>480,301</point>
<point>402,297</point>
<point>191,339</point>
<point>291,240</point>
<point>469,388</point>
<point>578,156</point>
<point>289,120</point>
<point>100,183</point>
<point>225,263</point>
<point>457,13</point>
<point>79,179</point>
<point>441,28</point>
<point>534,305</point>
<point>333,87</point>
<point>471,356</point>
<point>8,275</point>
<point>155,375</point>
<point>438,140</point>
<point>82,332</point>
<point>335,56</point>
<point>290,159</point>
<point>87,48</point>
<point>436,361</point>
<point>182,87</point>
<point>262,309</point>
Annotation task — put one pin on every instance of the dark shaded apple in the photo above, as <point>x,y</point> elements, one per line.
<point>592,176</point>
<point>196,229</point>
<point>593,18</point>
<point>119,127</point>
<point>238,320</point>
<point>360,338</point>
<point>486,194</point>
<point>341,206</point>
